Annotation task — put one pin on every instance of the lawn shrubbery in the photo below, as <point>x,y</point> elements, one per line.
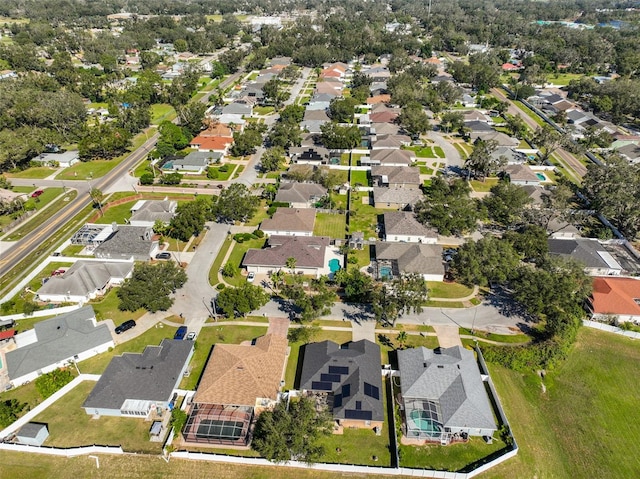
<point>49,383</point>
<point>242,237</point>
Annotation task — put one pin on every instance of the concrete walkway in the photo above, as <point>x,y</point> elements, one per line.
<point>363,330</point>
<point>448,336</point>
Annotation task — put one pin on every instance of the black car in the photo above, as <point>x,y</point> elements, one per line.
<point>127,325</point>
<point>164,255</point>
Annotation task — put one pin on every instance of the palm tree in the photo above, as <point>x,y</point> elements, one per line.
<point>291,263</point>
<point>402,339</point>
<point>277,278</point>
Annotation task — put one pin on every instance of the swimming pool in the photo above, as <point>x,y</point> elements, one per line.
<point>385,271</point>
<point>541,177</point>
<point>420,420</point>
<point>334,265</point>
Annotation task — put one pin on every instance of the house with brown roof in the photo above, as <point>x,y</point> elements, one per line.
<point>218,144</point>
<point>619,297</point>
<point>385,129</point>
<point>382,98</point>
<point>238,383</point>
<point>403,226</point>
<point>312,255</point>
<point>395,198</point>
<point>383,117</point>
<point>290,222</point>
<point>300,195</point>
<point>396,176</point>
<point>386,142</point>
<point>521,175</point>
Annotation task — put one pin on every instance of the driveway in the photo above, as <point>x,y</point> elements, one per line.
<point>450,153</point>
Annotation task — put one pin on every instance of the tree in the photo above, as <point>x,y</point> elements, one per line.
<point>485,261</point>
<point>506,203</point>
<point>275,92</point>
<point>150,286</point>
<point>281,435</point>
<point>530,241</point>
<point>482,162</point>
<point>522,91</point>
<point>313,304</point>
<point>405,294</point>
<point>245,143</point>
<point>357,285</point>
<point>191,116</point>
<point>9,411</point>
<point>236,203</point>
<point>241,300</point>
<point>49,383</point>
<point>104,141</point>
<point>402,339</point>
<point>516,126</point>
<point>97,197</point>
<point>451,121</point>
<point>303,334</point>
<point>188,221</point>
<point>147,179</point>
<point>291,264</point>
<point>339,137</point>
<point>171,178</point>
<point>342,110</point>
<point>414,120</point>
<point>272,159</point>
<point>448,207</point>
<point>228,270</point>
<point>548,140</point>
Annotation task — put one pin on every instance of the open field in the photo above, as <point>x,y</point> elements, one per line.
<point>37,173</point>
<point>161,112</point>
<point>581,426</point>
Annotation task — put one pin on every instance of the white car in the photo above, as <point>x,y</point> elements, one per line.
<point>251,277</point>
<point>191,336</point>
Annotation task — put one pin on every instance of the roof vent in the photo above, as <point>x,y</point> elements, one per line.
<point>424,364</point>
<point>440,366</point>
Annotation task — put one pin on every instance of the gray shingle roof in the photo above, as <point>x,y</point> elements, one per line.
<point>405,223</point>
<point>401,196</point>
<point>405,175</point>
<point>412,257</point>
<point>587,251</point>
<point>357,382</point>
<point>392,156</point>
<point>85,277</point>
<point>150,376</point>
<point>197,159</point>
<point>31,430</point>
<point>521,173</point>
<point>58,338</point>
<point>450,377</point>
<point>125,242</point>
<point>308,251</point>
<point>299,192</point>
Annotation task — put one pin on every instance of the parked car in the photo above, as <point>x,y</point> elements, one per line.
<point>191,336</point>
<point>251,277</point>
<point>163,255</point>
<point>180,333</point>
<point>127,325</point>
<point>36,193</point>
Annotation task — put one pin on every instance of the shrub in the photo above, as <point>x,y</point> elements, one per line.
<point>49,383</point>
<point>212,173</point>
<point>220,286</point>
<point>223,168</point>
<point>147,179</point>
<point>258,234</point>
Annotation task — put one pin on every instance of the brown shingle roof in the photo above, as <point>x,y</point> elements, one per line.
<point>308,252</point>
<point>238,374</point>
<point>405,175</point>
<point>405,223</point>
<point>290,219</point>
<point>393,156</point>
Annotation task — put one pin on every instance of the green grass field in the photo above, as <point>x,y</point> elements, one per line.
<point>448,290</point>
<point>41,218</point>
<point>116,213</point>
<point>360,177</point>
<point>483,186</point>
<point>37,173</point>
<point>161,112</point>
<point>107,308</point>
<point>582,426</point>
<point>217,264</point>
<point>332,225</point>
<point>236,256</point>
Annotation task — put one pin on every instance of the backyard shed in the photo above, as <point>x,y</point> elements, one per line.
<point>33,434</point>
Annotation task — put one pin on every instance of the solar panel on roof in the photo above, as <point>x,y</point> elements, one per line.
<point>346,390</point>
<point>338,370</point>
<point>358,405</point>
<point>334,378</point>
<point>321,386</point>
<point>362,415</point>
<point>337,400</point>
<point>371,391</point>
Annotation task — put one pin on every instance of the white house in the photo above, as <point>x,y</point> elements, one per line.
<point>402,226</point>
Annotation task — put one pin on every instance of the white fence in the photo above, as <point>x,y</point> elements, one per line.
<point>610,329</point>
<point>54,451</point>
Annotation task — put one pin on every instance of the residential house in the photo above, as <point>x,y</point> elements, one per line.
<point>381,98</point>
<point>468,101</point>
<point>128,242</point>
<point>237,108</point>
<point>290,222</point>
<point>329,88</point>
<point>395,259</point>
<point>631,152</point>
<point>85,280</point>
<point>32,434</point>
<point>443,388</point>
<point>146,212</point>
<point>195,163</point>
<point>500,138</point>
<point>309,155</point>
<point>350,378</point>
<point>396,198</point>
<point>238,383</point>
<point>386,142</point>
<point>522,175</point>
<point>300,195</point>
<point>140,384</point>
<point>510,155</point>
<point>389,158</point>
<point>387,116</point>
<point>62,159</point>
<point>384,129</point>
<point>312,255</point>
<point>315,115</point>
<point>473,116</point>
<point>403,226</point>
<point>615,298</point>
<point>560,229</point>
<point>284,61</point>
<point>212,144</point>
<point>396,177</point>
<point>56,342</point>
<point>591,253</point>
<point>478,126</point>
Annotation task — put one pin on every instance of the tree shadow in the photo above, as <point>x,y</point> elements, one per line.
<point>508,307</point>
<point>358,313</point>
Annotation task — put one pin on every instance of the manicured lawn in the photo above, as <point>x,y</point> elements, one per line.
<point>239,249</point>
<point>454,457</point>
<point>161,112</point>
<point>261,214</point>
<point>332,225</point>
<point>88,170</point>
<point>238,171</point>
<point>388,343</point>
<point>143,167</point>
<point>69,425</point>
<point>117,213</point>
<point>294,359</point>
<point>443,304</point>
<point>212,335</point>
<point>360,177</point>
<point>151,337</point>
<point>263,110</point>
<point>425,170</point>
<point>438,151</point>
<point>423,151</point>
<point>483,186</point>
<point>363,217</point>
<point>217,264</point>
<point>503,338</point>
<point>581,426</point>
<point>36,172</point>
<point>223,175</point>
<point>464,152</point>
<point>72,250</point>
<point>362,255</point>
<point>107,308</point>
<point>448,290</point>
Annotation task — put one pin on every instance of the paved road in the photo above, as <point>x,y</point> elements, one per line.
<point>451,154</point>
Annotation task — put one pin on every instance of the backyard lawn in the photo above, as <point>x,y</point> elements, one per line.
<point>69,425</point>
<point>212,335</point>
<point>454,457</point>
<point>580,427</point>
<point>363,217</point>
<point>359,177</point>
<point>328,224</point>
<point>107,308</point>
<point>483,186</point>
